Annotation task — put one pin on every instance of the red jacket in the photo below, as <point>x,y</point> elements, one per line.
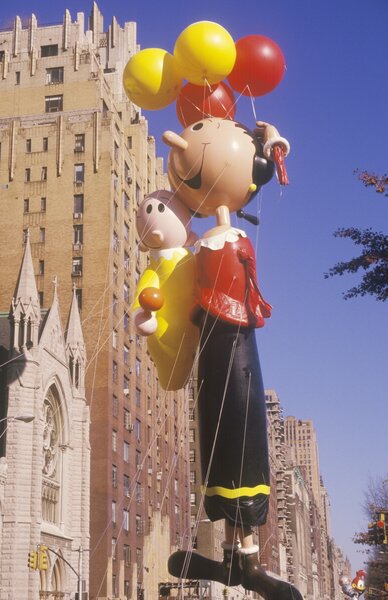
<point>228,287</point>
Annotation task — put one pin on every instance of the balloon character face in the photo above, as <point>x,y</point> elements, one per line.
<point>215,162</point>
<point>358,582</point>
<point>163,222</point>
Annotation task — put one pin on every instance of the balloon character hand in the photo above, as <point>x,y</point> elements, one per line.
<point>276,148</point>
<point>150,300</point>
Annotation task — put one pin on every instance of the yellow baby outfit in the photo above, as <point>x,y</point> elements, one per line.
<point>173,345</point>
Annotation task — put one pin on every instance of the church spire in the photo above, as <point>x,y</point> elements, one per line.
<point>75,345</point>
<point>25,309</point>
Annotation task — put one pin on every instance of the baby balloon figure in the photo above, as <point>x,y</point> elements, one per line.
<point>164,226</point>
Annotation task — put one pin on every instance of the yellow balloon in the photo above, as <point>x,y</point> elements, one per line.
<point>205,52</point>
<point>152,79</point>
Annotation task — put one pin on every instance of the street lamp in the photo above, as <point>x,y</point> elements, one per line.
<point>24,418</point>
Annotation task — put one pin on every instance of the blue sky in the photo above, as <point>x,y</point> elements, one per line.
<point>327,358</point>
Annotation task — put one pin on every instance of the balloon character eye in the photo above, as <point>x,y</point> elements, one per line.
<point>161,207</point>
<point>197,126</point>
<point>149,209</point>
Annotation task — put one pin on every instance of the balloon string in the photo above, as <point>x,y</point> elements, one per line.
<point>252,102</point>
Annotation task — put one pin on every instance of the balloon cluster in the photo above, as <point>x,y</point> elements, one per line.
<point>204,55</point>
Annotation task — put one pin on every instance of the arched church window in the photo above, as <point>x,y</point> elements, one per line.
<point>51,467</point>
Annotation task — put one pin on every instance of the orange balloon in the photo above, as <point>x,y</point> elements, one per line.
<point>151,299</point>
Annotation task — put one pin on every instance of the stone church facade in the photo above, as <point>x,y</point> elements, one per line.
<point>44,446</point>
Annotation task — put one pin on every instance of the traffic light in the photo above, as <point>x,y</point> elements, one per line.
<point>381,529</point>
<point>33,559</point>
<point>43,558</point>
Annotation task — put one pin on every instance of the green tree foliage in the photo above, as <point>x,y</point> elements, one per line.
<point>372,260</point>
<point>375,499</point>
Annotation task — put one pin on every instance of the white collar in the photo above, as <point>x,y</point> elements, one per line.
<point>216,242</point>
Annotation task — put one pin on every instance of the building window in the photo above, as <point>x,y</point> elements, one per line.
<point>78,204</point>
<point>193,499</point>
<point>41,298</point>
<point>125,200</point>
<point>78,236</point>
<point>126,452</point>
<point>45,144</point>
<point>79,173</point>
<point>114,305</point>
<point>139,525</point>
<point>41,267</point>
<point>114,441</point>
<point>115,274</point>
<point>114,339</point>
<point>191,436</point>
<point>126,292</point>
<point>26,205</point>
<point>42,234</point>
<point>114,548</point>
<point>27,175</point>
<point>28,145</point>
<point>126,321</point>
<point>191,455</point>
<point>54,75</point>
<point>137,429</point>
<point>126,385</point>
<point>139,492</point>
<point>43,174</point>
<point>127,419</point>
<point>49,50</point>
<point>126,232</point>
<point>115,242</point>
<point>43,204</point>
<point>114,476</point>
<point>114,371</point>
<point>79,142</point>
<point>126,354</point>
<point>114,512</point>
<point>126,519</point>
<point>127,560</point>
<point>138,397</point>
<point>193,477</point>
<point>138,462</point>
<point>126,261</point>
<point>115,406</point>
<point>17,77</point>
<point>148,376</point>
<point>53,103</point>
<point>126,486</point>
<point>191,414</point>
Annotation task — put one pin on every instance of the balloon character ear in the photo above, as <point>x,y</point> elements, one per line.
<point>263,169</point>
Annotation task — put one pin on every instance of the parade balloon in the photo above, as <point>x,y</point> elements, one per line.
<point>259,66</point>
<point>205,52</point>
<point>197,102</point>
<point>152,79</point>
<point>165,290</point>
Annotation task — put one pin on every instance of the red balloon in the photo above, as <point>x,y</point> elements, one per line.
<point>259,66</point>
<point>196,102</point>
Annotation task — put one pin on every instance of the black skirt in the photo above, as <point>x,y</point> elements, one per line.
<point>232,425</point>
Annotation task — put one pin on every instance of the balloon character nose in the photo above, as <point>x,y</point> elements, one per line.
<point>174,140</point>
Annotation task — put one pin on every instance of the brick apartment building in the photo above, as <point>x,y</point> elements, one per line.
<point>75,160</point>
